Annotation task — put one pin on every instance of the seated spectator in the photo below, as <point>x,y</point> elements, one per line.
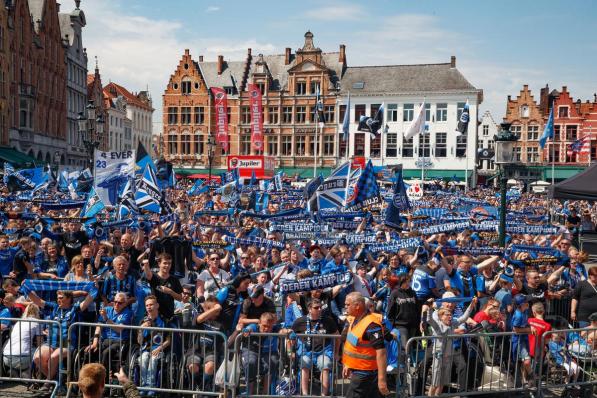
<point>18,351</point>
<point>153,343</point>
<point>257,305</point>
<point>119,281</point>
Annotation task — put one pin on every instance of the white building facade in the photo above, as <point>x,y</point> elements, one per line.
<point>71,27</point>
<point>441,152</point>
<point>488,128</point>
<point>119,126</point>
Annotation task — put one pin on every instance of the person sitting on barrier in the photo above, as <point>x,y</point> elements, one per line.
<point>204,348</point>
<point>65,313</point>
<point>559,353</point>
<point>119,281</point>
<point>260,355</point>
<point>520,340</point>
<point>315,351</point>
<point>113,337</point>
<point>443,351</point>
<point>17,351</point>
<point>153,343</point>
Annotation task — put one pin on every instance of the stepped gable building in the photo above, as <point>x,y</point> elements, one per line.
<point>289,83</point>
<point>95,96</point>
<point>71,28</point>
<point>139,111</point>
<point>37,123</point>
<point>442,152</point>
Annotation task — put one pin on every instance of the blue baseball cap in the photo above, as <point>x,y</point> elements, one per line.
<point>520,299</point>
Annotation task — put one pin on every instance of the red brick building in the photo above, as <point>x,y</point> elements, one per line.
<point>288,83</point>
<point>95,95</point>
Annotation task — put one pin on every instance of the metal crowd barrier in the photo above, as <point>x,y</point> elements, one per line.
<point>25,342</point>
<point>481,363</point>
<point>568,361</point>
<point>267,362</point>
<point>181,368</point>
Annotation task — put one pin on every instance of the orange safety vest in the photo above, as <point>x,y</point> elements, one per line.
<point>359,355</point>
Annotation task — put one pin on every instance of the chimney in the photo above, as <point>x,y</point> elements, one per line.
<point>287,56</point>
<point>509,98</point>
<point>525,87</point>
<point>453,61</point>
<point>595,97</point>
<point>248,52</point>
<point>564,89</point>
<point>342,57</point>
<point>201,58</point>
<point>186,51</point>
<point>220,64</point>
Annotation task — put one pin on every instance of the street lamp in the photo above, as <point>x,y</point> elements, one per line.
<point>211,146</point>
<point>56,164</point>
<point>504,156</point>
<point>91,129</point>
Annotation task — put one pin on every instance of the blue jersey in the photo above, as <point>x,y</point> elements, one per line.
<point>151,338</point>
<point>65,317</point>
<point>519,320</point>
<point>123,318</point>
<point>7,257</point>
<point>113,285</point>
<point>423,282</point>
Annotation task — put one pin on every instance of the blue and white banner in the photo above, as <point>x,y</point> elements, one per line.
<point>357,239</point>
<point>254,241</point>
<point>299,227</point>
<point>148,195</point>
<point>395,246</point>
<point>441,228</point>
<point>314,282</point>
<point>93,205</point>
<point>112,171</point>
<point>531,229</point>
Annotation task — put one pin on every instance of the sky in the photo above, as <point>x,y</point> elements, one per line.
<point>499,45</point>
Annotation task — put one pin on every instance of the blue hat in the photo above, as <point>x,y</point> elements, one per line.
<point>520,299</point>
<point>506,278</point>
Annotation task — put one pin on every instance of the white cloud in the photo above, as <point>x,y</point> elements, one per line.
<point>336,12</point>
<point>212,9</point>
<point>139,52</point>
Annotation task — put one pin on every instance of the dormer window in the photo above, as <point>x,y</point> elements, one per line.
<point>524,111</point>
<point>563,111</point>
<point>185,85</point>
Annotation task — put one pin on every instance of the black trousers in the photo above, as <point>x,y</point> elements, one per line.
<point>363,386</point>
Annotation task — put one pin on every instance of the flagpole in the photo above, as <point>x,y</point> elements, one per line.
<point>315,149</point>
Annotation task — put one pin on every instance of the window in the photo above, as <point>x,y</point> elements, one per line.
<point>286,145</point>
<point>485,130</point>
<point>329,113</point>
<point>272,115</point>
<point>315,87</point>
<point>185,115</point>
<point>461,146</point>
<point>441,113</point>
<point>459,109</point>
<point>427,112</point>
<point>245,115</point>
<point>593,150</point>
<point>424,145</point>
<point>533,133</point>
<point>301,145</point>
<point>359,144</point>
<point>287,114</point>
<point>490,144</point>
<point>199,115</point>
<point>25,113</point>
<point>563,111</point>
<point>571,133</point>
<point>392,112</point>
<point>556,154</point>
<point>556,132</point>
<point>261,86</point>
<point>172,144</point>
<point>532,154</point>
<point>230,90</point>
<point>328,145</point>
<point>524,111</point>
<point>343,148</point>
<point>301,88</point>
<point>312,115</point>
<point>199,143</point>
<point>374,109</point>
<point>359,110</point>
<point>272,145</point>
<point>408,147</point>
<point>228,113</point>
<point>185,86</point>
<point>516,129</point>
<point>172,115</point>
<point>441,145</point>
<point>391,145</point>
<point>342,113</point>
<point>408,112</point>
<point>375,146</point>
<point>186,144</point>
<point>245,143</point>
<point>517,153</point>
<point>301,114</point>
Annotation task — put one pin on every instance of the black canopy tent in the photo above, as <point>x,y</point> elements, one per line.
<point>582,186</point>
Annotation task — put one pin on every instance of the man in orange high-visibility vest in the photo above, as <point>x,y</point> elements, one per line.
<point>364,355</point>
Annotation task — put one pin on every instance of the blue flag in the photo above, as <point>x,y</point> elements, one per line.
<point>278,181</point>
<point>463,120</point>
<point>365,188</point>
<point>93,205</point>
<point>346,121</point>
<point>143,159</point>
<point>148,195</point>
<point>198,188</point>
<point>331,194</point>
<point>253,179</point>
<point>372,125</point>
<point>548,131</point>
<point>25,179</point>
<point>399,202</point>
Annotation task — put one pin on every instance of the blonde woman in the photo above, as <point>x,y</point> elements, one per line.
<point>80,273</point>
<point>18,352</point>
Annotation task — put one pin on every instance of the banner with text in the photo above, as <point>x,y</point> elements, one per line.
<point>221,106</point>
<point>111,172</point>
<point>256,118</point>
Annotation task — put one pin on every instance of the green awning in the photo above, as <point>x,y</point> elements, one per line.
<point>16,158</point>
<point>186,172</point>
<point>410,174</point>
<point>305,172</point>
<point>561,173</point>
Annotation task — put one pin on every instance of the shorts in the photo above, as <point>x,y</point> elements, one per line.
<point>191,358</point>
<point>522,353</point>
<point>323,360</point>
<point>17,362</point>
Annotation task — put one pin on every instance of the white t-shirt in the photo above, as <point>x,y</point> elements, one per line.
<point>21,338</point>
<point>210,285</point>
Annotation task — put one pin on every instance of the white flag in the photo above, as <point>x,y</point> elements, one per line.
<point>418,124</point>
